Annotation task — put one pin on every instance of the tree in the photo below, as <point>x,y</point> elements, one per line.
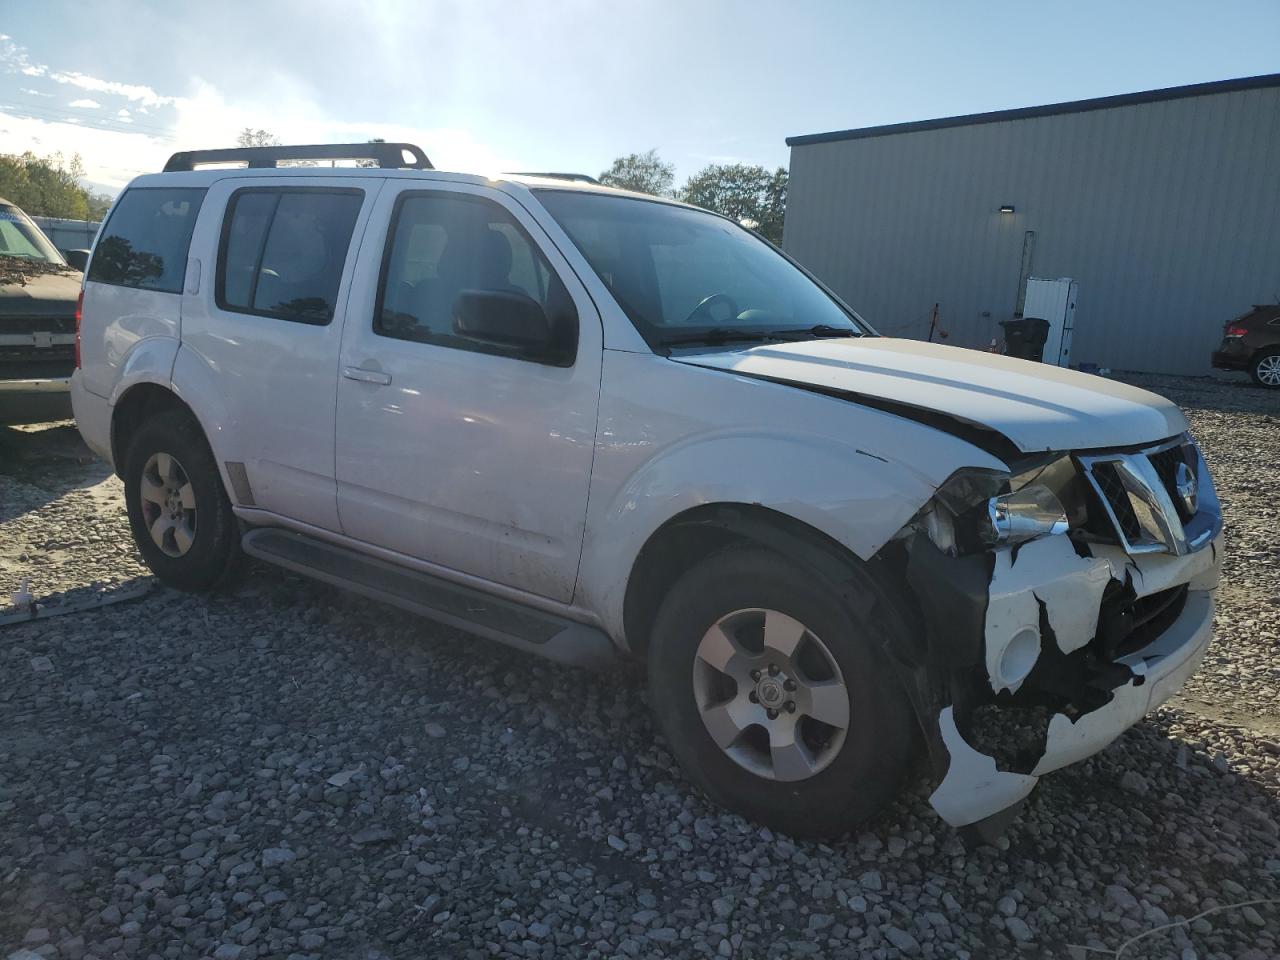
<point>45,186</point>
<point>749,194</point>
<point>99,204</point>
<point>250,137</point>
<point>371,163</point>
<point>642,172</point>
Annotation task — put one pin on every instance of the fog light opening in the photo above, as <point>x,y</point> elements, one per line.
<point>1019,657</point>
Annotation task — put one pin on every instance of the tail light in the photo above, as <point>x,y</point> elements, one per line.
<point>79,314</point>
<point>1236,330</point>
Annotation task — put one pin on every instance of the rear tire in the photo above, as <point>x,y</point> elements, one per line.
<point>782,767</point>
<point>1265,369</point>
<point>178,510</point>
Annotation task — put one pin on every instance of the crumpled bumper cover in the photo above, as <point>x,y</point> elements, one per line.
<point>1054,591</point>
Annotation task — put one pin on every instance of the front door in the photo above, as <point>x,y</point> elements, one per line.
<point>451,450</point>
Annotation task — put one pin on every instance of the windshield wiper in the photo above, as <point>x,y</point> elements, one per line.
<point>819,330</point>
<point>717,335</point>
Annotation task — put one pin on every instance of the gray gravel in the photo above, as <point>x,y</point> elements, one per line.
<point>287,771</point>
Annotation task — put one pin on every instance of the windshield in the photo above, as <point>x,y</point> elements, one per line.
<point>686,277</point>
<point>19,237</point>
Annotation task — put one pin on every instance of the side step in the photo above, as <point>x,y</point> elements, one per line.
<point>534,631</point>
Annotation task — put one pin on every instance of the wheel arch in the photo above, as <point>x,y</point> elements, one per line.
<point>695,534</point>
<point>138,404</point>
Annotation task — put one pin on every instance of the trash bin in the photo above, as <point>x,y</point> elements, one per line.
<point>1025,336</point>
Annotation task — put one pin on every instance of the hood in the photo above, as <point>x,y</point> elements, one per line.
<point>1034,405</point>
<point>43,295</point>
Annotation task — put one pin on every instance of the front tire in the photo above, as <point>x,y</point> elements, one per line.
<point>178,510</point>
<point>1265,369</point>
<point>769,685</point>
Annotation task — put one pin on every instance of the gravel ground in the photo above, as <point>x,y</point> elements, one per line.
<point>287,771</point>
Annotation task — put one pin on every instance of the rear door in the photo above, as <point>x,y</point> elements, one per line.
<point>450,450</point>
<point>265,320</point>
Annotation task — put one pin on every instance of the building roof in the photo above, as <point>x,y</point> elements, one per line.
<point>1048,110</point>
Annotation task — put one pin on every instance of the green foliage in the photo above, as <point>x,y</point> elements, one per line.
<point>749,194</point>
<point>45,186</point>
<point>641,172</point>
<point>250,137</point>
<point>99,204</point>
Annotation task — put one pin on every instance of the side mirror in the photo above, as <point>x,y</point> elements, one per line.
<point>77,258</point>
<point>505,320</point>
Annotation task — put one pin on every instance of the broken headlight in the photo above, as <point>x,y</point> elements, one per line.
<point>1033,511</point>
<point>989,508</point>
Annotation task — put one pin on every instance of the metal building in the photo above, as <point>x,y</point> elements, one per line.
<point>1163,205</point>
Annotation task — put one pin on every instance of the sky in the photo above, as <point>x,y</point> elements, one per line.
<point>484,86</point>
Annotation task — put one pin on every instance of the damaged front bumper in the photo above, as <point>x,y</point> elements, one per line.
<point>978,784</point>
<point>1041,654</point>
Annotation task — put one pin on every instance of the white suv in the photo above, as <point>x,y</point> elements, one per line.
<point>588,423</point>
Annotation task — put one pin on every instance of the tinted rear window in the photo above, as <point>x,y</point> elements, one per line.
<point>144,243</point>
<point>284,250</point>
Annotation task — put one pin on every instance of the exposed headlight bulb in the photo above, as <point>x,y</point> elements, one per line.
<point>1033,511</point>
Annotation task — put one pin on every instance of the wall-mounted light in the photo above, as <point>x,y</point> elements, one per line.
<point>1006,208</point>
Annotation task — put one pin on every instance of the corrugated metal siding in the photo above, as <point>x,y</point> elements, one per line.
<point>68,234</point>
<point>1167,213</point>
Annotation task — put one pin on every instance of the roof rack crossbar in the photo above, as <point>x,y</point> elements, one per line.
<point>388,155</point>
<point>579,177</point>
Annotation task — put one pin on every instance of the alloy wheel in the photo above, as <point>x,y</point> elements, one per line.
<point>168,504</point>
<point>771,694</point>
<point>1269,370</point>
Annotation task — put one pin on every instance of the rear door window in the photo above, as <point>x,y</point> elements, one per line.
<point>145,241</point>
<point>283,251</point>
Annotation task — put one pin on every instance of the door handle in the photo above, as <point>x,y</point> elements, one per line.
<point>366,376</point>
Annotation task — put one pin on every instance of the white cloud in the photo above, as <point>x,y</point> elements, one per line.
<point>137,137</point>
<point>110,157</point>
<point>135,92</point>
<point>15,58</point>
<point>205,118</point>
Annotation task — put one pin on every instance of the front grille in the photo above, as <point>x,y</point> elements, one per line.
<point>1111,487</point>
<point>1137,492</point>
<point>37,348</point>
<point>31,363</point>
<point>25,325</point>
<point>1166,463</point>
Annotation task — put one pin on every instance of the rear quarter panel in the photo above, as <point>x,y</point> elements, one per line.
<point>114,320</point>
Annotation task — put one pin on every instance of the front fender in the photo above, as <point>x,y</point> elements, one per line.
<point>856,498</point>
<point>853,496</point>
<point>672,437</point>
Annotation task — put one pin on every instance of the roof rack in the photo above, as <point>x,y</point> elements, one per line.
<point>388,155</point>
<point>579,177</point>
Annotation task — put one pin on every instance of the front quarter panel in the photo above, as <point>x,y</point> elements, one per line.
<point>673,437</point>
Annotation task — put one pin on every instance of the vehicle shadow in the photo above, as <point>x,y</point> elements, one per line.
<point>42,462</point>
<point>1158,826</point>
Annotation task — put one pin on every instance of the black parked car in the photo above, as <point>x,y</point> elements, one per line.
<point>38,295</point>
<point>1252,342</point>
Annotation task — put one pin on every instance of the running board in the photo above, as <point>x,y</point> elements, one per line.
<point>533,631</point>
